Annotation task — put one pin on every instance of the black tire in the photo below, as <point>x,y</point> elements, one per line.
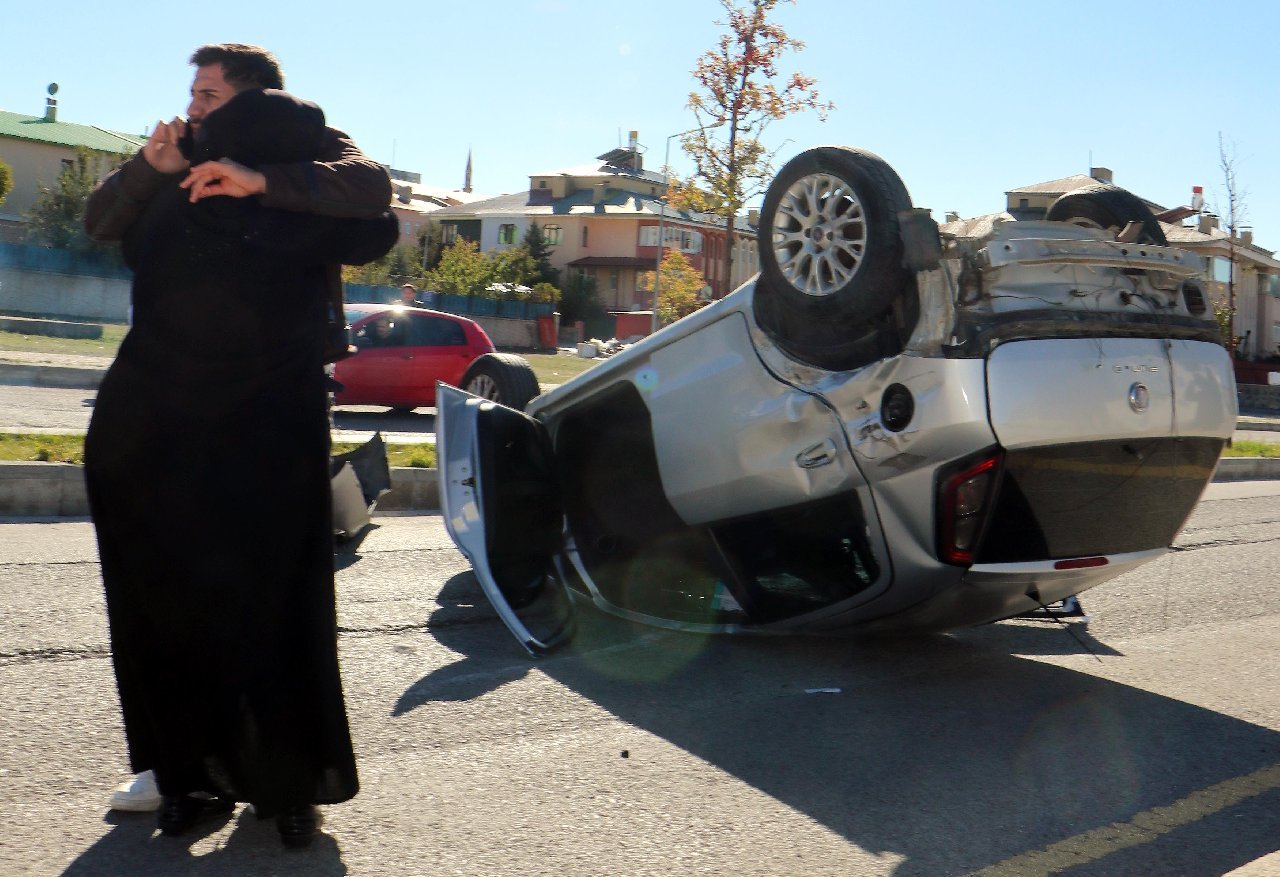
<point>831,254</point>
<point>503,378</point>
<point>1110,208</point>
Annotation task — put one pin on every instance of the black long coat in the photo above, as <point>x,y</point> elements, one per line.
<point>207,467</point>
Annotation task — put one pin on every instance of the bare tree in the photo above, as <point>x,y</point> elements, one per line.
<point>1233,218</point>
<point>739,93</point>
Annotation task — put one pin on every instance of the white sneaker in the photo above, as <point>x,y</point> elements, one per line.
<point>139,795</point>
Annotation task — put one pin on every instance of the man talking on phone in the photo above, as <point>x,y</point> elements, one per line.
<point>340,182</point>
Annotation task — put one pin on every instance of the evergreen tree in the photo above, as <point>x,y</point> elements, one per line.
<point>579,300</point>
<point>536,243</point>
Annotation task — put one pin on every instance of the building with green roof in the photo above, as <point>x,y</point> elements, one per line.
<point>38,147</point>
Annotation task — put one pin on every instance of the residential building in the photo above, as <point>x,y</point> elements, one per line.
<point>602,220</point>
<point>1257,280</point>
<point>413,201</point>
<point>37,148</point>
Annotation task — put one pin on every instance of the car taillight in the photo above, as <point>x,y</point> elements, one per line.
<point>966,496</point>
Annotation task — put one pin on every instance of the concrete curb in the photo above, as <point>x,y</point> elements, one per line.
<point>1247,469</point>
<point>62,377</point>
<point>56,490</point>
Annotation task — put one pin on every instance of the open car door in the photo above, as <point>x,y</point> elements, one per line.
<point>501,505</point>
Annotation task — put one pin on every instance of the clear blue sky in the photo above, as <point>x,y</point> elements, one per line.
<point>964,99</point>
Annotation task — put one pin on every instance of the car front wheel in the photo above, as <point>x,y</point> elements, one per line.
<point>503,378</point>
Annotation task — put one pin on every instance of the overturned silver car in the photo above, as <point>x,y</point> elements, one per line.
<point>887,428</point>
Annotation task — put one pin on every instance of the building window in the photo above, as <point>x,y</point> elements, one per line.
<point>448,233</point>
<point>542,184</point>
<point>552,234</point>
<point>584,237</point>
<point>1023,203</point>
<point>676,238</point>
<point>613,280</point>
<point>507,233</point>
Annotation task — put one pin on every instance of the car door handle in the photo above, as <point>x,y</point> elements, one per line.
<point>821,454</point>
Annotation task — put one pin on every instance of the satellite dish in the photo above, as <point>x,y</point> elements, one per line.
<point>53,88</point>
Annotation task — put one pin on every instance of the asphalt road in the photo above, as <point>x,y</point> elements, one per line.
<point>1146,743</point>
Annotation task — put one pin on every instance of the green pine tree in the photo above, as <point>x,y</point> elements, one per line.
<point>536,243</point>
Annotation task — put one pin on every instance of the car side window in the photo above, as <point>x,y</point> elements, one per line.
<point>427,331</point>
<point>384,331</point>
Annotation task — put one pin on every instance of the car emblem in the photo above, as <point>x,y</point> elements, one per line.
<point>1139,397</point>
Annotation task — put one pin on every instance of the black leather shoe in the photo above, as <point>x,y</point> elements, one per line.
<point>298,825</point>
<point>179,812</point>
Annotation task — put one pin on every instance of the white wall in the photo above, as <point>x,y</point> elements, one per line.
<point>96,299</point>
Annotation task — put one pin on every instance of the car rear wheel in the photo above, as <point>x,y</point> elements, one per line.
<point>1110,208</point>
<point>503,378</point>
<point>831,254</point>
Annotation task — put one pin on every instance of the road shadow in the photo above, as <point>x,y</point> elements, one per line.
<point>463,621</point>
<point>346,549</point>
<point>952,752</point>
<point>133,846</point>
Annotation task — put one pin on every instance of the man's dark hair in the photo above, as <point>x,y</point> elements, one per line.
<point>242,66</point>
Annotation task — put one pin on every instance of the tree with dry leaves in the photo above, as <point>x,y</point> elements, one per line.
<point>739,93</point>
<point>680,287</point>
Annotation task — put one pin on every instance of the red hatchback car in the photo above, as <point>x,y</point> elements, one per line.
<point>404,351</point>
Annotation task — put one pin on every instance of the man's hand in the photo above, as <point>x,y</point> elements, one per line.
<point>161,149</point>
<point>223,177</point>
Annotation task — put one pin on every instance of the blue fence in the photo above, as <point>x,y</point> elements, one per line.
<point>463,305</point>
<point>29,257</point>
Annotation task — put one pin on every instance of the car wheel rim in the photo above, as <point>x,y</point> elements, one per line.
<point>484,387</point>
<point>819,234</point>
